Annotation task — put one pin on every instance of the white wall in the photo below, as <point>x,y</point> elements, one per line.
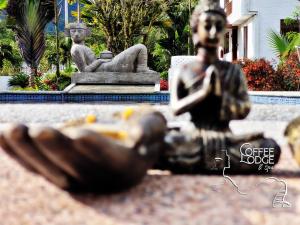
<point>266,16</point>
<point>253,39</point>
<point>270,12</point>
<point>228,56</point>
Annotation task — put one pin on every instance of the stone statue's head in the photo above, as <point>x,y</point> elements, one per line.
<point>77,31</point>
<point>208,24</point>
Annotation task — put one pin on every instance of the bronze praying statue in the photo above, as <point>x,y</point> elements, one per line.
<point>214,92</point>
<point>102,158</point>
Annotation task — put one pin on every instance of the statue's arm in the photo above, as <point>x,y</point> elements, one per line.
<point>93,66</point>
<point>181,104</point>
<point>79,59</point>
<point>235,99</point>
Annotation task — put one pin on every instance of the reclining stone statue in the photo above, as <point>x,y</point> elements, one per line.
<point>133,59</point>
<point>113,157</point>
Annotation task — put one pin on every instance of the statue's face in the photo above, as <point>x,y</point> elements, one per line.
<point>211,29</point>
<point>78,34</point>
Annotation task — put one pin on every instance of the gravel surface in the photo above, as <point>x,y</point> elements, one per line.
<point>55,113</point>
<point>27,199</point>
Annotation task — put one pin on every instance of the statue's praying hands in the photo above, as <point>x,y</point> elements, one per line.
<point>89,157</point>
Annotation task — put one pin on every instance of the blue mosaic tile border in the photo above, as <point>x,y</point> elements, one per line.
<point>147,98</point>
<point>278,100</point>
<point>79,98</point>
<point>162,98</point>
<point>30,97</point>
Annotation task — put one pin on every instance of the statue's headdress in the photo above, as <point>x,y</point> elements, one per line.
<point>76,26</point>
<point>204,6</point>
<point>210,6</point>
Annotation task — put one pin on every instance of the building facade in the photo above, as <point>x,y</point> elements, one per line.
<point>249,23</point>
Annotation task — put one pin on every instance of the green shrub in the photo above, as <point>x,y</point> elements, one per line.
<point>20,79</point>
<point>8,68</point>
<point>57,84</point>
<point>25,89</point>
<point>164,75</point>
<point>289,72</point>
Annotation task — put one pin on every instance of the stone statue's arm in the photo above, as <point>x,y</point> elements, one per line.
<point>80,61</point>
<point>235,99</point>
<point>94,65</point>
<point>181,104</point>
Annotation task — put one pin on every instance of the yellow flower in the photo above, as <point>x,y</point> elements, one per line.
<point>91,118</point>
<point>127,113</point>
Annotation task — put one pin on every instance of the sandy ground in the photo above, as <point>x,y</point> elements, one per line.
<point>28,199</point>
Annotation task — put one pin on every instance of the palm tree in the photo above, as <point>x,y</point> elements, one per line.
<point>30,18</point>
<point>281,45</point>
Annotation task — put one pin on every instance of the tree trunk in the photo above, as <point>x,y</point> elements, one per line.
<point>57,39</point>
<point>32,75</point>
<point>78,11</point>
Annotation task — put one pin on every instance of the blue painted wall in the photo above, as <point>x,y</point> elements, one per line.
<point>61,25</point>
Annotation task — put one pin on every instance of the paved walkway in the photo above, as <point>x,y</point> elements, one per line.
<point>26,198</point>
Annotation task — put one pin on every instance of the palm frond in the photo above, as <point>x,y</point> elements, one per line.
<point>30,19</point>
<point>278,43</point>
<point>292,45</point>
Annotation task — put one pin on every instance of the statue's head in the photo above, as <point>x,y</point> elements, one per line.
<point>208,24</point>
<point>77,31</point>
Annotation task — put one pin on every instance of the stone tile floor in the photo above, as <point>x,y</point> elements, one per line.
<point>28,199</point>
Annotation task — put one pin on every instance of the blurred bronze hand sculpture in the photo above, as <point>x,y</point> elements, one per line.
<point>109,158</point>
<point>133,59</point>
<point>90,157</point>
<point>214,92</point>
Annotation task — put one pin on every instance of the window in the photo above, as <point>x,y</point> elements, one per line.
<point>294,26</point>
<point>226,43</point>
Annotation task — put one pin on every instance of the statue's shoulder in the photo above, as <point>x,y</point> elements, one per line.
<point>231,73</point>
<point>225,65</point>
<point>230,69</point>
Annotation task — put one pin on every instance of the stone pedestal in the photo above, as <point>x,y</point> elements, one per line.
<point>112,81</point>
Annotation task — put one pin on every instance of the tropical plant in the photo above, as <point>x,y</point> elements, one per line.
<point>3,4</point>
<point>260,75</point>
<point>283,46</point>
<point>290,73</point>
<point>29,20</point>
<point>164,85</point>
<point>20,80</point>
<point>64,81</point>
<point>6,54</point>
<point>175,34</point>
<point>8,49</point>
<point>49,58</point>
<point>123,22</point>
<point>9,69</point>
